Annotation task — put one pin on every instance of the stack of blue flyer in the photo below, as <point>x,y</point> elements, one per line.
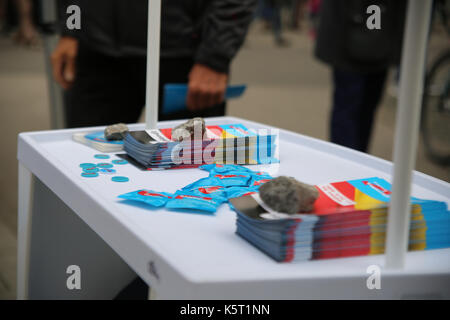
<point>98,141</point>
<point>235,143</point>
<point>349,219</point>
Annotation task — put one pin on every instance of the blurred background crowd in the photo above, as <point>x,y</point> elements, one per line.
<point>304,70</point>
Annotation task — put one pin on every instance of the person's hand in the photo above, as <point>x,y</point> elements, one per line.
<point>206,87</point>
<point>63,61</point>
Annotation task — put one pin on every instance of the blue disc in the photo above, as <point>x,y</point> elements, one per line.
<point>95,169</point>
<point>104,165</point>
<point>101,156</point>
<point>120,179</point>
<point>89,174</point>
<point>120,161</point>
<point>107,171</point>
<point>87,165</point>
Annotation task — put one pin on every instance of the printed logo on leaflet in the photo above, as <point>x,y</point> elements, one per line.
<point>239,129</point>
<point>150,194</point>
<point>212,134</point>
<point>208,190</point>
<point>377,188</point>
<point>157,135</point>
<point>229,176</point>
<point>260,182</point>
<point>335,195</point>
<point>182,196</point>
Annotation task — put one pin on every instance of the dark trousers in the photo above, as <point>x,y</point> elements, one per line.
<point>110,90</point>
<point>355,99</point>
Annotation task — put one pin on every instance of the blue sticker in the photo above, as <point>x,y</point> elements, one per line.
<point>87,165</point>
<point>104,165</point>
<point>95,169</point>
<point>101,156</point>
<point>107,171</point>
<point>120,179</point>
<point>89,174</point>
<point>189,200</point>
<point>120,161</point>
<point>154,198</point>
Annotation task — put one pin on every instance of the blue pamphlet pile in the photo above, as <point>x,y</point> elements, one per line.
<point>231,143</point>
<point>348,219</point>
<point>98,141</point>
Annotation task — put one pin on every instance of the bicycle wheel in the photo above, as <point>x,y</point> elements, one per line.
<point>435,122</point>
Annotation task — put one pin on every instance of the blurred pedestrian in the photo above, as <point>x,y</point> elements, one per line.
<point>27,33</point>
<point>277,25</point>
<point>18,16</point>
<point>297,8</point>
<point>2,14</point>
<point>102,66</point>
<point>8,16</point>
<point>360,59</point>
<point>270,12</point>
<point>313,16</point>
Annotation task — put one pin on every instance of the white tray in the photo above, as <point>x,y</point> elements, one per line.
<point>200,256</point>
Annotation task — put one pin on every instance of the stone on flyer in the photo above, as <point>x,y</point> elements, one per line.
<point>116,131</point>
<point>190,129</point>
<point>287,195</point>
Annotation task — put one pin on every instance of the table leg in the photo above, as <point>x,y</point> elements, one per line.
<point>25,197</point>
<point>54,244</point>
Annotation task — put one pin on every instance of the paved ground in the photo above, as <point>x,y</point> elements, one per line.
<point>287,88</point>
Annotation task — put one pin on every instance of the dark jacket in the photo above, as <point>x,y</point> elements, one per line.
<point>209,31</point>
<point>345,42</point>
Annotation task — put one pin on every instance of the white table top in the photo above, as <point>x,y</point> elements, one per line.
<point>200,249</point>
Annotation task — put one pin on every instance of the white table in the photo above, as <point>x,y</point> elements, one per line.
<point>65,219</point>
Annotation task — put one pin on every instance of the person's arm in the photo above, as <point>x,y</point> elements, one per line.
<point>65,53</point>
<point>223,32</point>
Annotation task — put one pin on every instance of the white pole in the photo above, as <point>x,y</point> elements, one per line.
<point>153,47</point>
<point>407,127</point>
